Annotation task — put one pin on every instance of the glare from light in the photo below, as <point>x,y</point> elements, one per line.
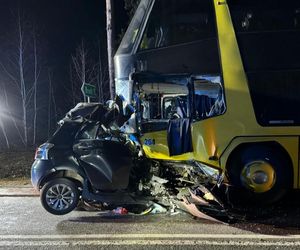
<point>3,112</point>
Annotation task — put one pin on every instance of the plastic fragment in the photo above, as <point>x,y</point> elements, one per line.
<point>147,211</point>
<point>120,211</point>
<point>158,209</point>
<point>209,196</point>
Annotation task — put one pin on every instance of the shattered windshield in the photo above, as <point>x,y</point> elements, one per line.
<point>163,101</point>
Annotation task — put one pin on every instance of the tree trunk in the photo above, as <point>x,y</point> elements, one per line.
<point>35,89</point>
<point>52,96</point>
<point>4,134</point>
<point>100,80</point>
<point>110,46</point>
<point>22,80</point>
<point>10,114</point>
<point>49,102</point>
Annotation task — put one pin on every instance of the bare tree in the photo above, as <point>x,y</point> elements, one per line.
<point>102,76</point>
<point>84,69</point>
<point>22,84</point>
<point>52,106</point>
<point>9,113</point>
<point>4,133</point>
<point>72,81</point>
<point>15,70</point>
<point>49,102</point>
<point>2,117</point>
<point>110,46</point>
<point>35,83</point>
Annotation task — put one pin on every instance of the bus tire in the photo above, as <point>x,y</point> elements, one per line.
<point>261,173</point>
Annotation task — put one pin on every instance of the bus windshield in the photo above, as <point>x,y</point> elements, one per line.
<point>175,22</point>
<point>133,30</point>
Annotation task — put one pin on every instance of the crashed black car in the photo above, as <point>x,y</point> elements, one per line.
<point>91,158</point>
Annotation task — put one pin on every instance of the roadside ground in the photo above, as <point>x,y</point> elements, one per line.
<point>17,187</point>
<point>15,166</point>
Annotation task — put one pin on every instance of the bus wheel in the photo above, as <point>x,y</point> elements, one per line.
<point>262,173</point>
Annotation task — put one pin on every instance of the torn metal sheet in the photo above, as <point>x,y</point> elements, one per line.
<point>191,208</point>
<point>198,200</point>
<point>207,195</point>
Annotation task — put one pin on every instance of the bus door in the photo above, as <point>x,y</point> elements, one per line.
<point>179,126</point>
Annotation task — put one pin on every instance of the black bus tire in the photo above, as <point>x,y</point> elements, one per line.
<point>262,174</point>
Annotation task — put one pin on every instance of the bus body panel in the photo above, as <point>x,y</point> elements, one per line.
<point>214,139</point>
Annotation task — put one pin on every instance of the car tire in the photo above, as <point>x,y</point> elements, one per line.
<point>261,173</point>
<point>60,196</point>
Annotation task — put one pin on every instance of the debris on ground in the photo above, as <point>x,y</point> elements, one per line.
<point>120,211</point>
<point>158,209</point>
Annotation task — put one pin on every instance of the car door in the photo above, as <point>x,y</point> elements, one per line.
<point>106,161</point>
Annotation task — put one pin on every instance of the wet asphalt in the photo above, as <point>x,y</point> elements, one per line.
<point>26,225</point>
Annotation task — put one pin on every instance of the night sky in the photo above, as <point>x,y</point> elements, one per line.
<point>60,26</point>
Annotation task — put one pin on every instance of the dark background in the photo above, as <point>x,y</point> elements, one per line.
<point>60,27</point>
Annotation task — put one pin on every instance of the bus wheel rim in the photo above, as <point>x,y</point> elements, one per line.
<point>258,176</point>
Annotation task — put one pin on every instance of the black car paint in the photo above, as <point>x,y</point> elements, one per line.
<point>92,159</point>
<point>107,163</point>
<point>39,170</point>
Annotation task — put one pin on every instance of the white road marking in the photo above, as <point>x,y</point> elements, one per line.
<point>150,236</point>
<point>150,239</point>
<point>147,242</point>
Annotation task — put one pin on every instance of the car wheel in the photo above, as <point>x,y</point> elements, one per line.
<point>60,196</point>
<point>262,174</point>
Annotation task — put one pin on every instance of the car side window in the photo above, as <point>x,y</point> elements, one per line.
<point>89,131</point>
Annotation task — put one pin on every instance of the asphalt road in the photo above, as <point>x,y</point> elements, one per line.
<point>26,225</point>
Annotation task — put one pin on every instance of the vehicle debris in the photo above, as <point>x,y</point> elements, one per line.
<point>120,211</point>
<point>158,209</point>
<point>192,208</point>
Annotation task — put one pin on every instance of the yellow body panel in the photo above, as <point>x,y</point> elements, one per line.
<point>219,136</point>
<point>160,149</point>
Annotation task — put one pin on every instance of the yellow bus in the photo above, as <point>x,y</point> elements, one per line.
<point>226,87</point>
